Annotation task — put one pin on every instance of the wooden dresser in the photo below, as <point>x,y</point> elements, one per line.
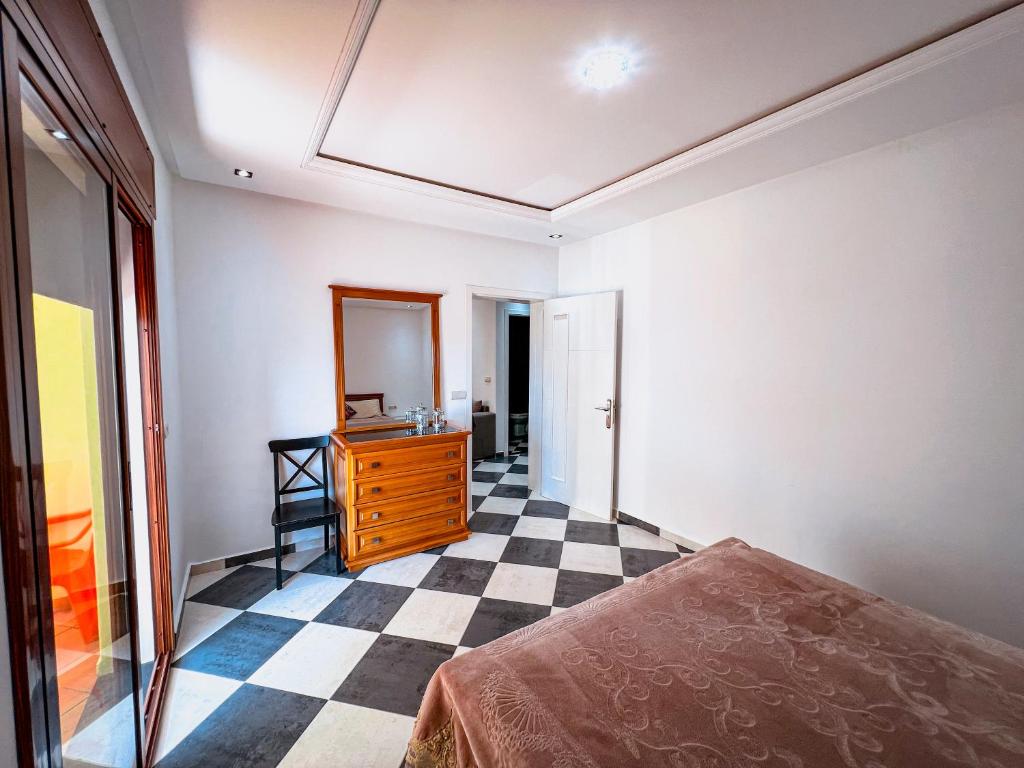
<point>401,492</point>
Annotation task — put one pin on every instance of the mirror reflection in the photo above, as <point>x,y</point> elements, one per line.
<point>388,360</point>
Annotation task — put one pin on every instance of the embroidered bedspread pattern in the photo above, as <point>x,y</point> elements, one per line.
<point>731,657</point>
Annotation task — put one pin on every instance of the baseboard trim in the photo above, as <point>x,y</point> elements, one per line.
<point>675,538</point>
<point>233,561</point>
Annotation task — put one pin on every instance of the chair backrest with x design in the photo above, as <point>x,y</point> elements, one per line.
<point>283,449</point>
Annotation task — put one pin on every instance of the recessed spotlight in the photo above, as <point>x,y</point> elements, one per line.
<point>555,236</point>
<point>58,134</point>
<point>245,174</point>
<point>605,68</point>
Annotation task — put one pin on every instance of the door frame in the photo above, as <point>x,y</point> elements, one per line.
<point>536,364</point>
<point>501,369</point>
<point>147,321</point>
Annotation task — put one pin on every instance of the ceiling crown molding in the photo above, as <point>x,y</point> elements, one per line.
<point>347,170</point>
<point>1010,22</point>
<point>359,26</point>
<point>983,33</point>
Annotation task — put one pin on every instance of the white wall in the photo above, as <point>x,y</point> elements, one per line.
<point>831,366</point>
<point>484,326</point>
<point>384,352</point>
<point>254,315</point>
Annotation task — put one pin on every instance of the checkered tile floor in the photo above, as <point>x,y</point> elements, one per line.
<point>331,670</point>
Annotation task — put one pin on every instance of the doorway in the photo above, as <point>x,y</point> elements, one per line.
<point>571,419</point>
<point>504,365</point>
<point>512,374</point>
<point>517,378</point>
<point>501,378</point>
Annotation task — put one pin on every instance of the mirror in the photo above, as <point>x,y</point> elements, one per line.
<point>388,359</point>
<point>386,352</point>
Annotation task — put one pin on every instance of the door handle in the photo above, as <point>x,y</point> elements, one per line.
<point>608,410</point>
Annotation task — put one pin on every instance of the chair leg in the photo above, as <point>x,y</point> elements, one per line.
<point>277,555</point>
<point>337,544</point>
<point>327,536</point>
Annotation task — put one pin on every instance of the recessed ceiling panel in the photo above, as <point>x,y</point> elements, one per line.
<point>488,96</point>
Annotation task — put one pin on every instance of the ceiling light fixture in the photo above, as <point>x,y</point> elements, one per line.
<point>605,68</point>
<point>58,134</point>
<point>245,174</point>
<point>555,236</point>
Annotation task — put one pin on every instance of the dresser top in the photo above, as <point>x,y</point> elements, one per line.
<point>347,439</point>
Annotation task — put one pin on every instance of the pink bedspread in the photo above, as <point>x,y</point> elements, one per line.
<point>729,657</point>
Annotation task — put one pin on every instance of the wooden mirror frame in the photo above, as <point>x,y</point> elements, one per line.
<point>340,292</point>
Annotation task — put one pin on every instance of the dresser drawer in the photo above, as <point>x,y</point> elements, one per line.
<point>403,459</point>
<point>383,538</point>
<point>372,490</point>
<point>409,507</point>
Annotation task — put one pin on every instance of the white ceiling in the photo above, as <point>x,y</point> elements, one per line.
<point>483,96</point>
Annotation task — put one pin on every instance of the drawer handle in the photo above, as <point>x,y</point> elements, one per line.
<point>375,540</point>
<point>375,516</point>
<point>451,521</point>
<point>452,499</point>
<point>376,489</point>
<point>374,465</point>
<point>452,476</point>
<point>451,454</point>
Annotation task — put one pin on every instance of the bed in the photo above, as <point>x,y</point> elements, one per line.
<point>731,657</point>
<point>380,420</point>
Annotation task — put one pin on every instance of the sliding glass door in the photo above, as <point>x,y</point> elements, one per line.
<point>80,428</point>
<point>83,497</point>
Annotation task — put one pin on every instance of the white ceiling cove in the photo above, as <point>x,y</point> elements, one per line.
<point>472,114</point>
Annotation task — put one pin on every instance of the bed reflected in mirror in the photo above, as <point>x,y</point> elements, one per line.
<point>389,360</point>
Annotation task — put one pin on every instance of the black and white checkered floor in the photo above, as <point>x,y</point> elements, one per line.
<point>331,670</point>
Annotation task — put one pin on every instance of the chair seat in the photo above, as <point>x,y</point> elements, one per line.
<point>304,511</point>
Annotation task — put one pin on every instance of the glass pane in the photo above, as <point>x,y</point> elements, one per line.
<point>136,452</point>
<point>74,334</point>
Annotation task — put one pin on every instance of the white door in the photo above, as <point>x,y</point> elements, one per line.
<point>578,424</point>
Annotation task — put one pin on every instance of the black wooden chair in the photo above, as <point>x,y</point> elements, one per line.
<point>306,513</point>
